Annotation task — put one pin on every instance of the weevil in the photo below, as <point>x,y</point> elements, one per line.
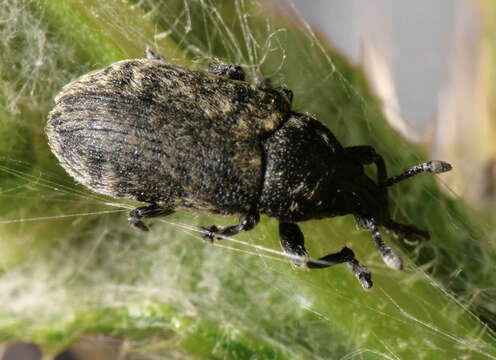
<point>173,137</point>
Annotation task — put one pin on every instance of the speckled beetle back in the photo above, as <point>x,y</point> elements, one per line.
<point>150,131</point>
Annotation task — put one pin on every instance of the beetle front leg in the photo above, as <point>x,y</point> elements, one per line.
<point>390,258</point>
<point>246,222</point>
<point>146,212</point>
<point>292,242</point>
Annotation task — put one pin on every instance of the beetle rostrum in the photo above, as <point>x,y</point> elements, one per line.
<point>173,137</point>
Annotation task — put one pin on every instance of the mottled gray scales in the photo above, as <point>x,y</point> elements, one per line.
<point>134,125</point>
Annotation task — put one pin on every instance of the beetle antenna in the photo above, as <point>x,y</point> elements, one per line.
<point>433,166</point>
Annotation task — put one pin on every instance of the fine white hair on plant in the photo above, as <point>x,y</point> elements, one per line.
<point>27,46</point>
<point>69,257</point>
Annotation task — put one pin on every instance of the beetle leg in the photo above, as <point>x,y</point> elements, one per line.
<point>408,232</point>
<point>390,258</point>
<point>292,242</point>
<point>151,55</point>
<point>287,93</point>
<point>233,72</point>
<point>433,166</point>
<point>246,222</point>
<point>266,84</point>
<point>146,212</point>
<point>365,155</point>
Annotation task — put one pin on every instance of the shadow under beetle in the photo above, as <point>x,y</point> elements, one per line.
<point>172,137</point>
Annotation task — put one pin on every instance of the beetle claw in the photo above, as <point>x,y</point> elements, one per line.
<point>361,272</point>
<point>208,233</point>
<point>138,224</point>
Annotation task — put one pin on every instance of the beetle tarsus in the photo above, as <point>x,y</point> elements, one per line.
<point>147,212</point>
<point>138,224</point>
<point>152,55</point>
<point>246,222</point>
<point>362,273</point>
<point>208,233</point>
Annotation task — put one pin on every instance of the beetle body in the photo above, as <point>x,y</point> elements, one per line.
<point>172,137</point>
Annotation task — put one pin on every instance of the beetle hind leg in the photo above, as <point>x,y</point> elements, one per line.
<point>292,242</point>
<point>137,215</point>
<point>408,232</point>
<point>246,222</point>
